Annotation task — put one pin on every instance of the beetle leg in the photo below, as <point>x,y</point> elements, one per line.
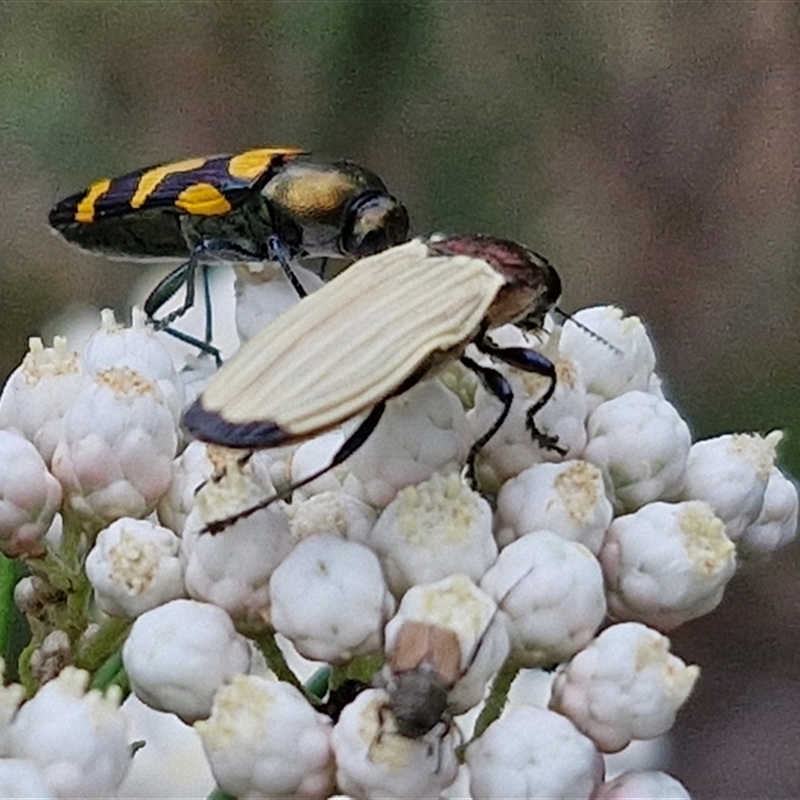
<point>279,252</point>
<point>349,446</point>
<point>167,288</point>
<point>529,360</point>
<point>497,385</point>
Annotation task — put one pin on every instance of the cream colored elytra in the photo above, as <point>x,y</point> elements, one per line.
<point>351,344</point>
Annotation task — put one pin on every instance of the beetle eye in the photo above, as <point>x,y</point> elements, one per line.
<point>375,221</point>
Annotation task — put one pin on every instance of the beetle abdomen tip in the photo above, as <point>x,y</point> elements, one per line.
<point>211,426</point>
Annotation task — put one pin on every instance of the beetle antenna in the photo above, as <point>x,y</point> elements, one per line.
<point>564,316</point>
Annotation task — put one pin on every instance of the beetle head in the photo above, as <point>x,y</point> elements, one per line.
<point>374,222</point>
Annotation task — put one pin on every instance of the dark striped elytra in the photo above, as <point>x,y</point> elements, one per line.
<point>203,187</point>
<point>258,205</point>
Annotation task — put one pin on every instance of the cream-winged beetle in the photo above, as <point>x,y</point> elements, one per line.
<point>370,335</point>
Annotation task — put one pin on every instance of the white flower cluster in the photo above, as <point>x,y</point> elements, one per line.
<point>390,569</point>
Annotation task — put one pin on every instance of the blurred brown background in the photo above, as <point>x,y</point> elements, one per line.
<point>650,149</point>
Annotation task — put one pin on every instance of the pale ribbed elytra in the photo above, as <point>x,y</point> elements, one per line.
<point>369,335</point>
<point>341,350</point>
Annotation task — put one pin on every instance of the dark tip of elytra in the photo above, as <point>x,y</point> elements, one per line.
<point>211,426</point>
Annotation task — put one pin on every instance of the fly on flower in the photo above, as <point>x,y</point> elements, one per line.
<point>372,334</point>
<point>259,205</point>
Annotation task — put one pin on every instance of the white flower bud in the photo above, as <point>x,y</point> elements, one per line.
<point>667,563</point>
<point>114,346</point>
<point>373,761</point>
<point>552,593</point>
<point>437,528</point>
<point>263,739</point>
<point>134,566</point>
<point>608,373</point>
<point>10,698</point>
<point>191,469</point>
<point>331,512</point>
<point>456,604</point>
<point>77,738</point>
<point>263,293</point>
<point>310,456</point>
<point>730,473</point>
<point>532,752</point>
<point>178,655</point>
<point>642,785</point>
<point>238,483</point>
<point>39,391</point>
<point>172,764</point>
<point>512,449</point>
<point>625,685</point>
<point>29,497</point>
<point>232,569</point>
<point>330,599</point>
<point>115,459</point>
<point>776,525</point>
<point>23,779</point>
<point>642,445</point>
<point>422,431</point>
<point>567,498</point>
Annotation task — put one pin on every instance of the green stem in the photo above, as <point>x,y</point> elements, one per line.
<point>274,657</point>
<point>106,642</point>
<point>497,698</point>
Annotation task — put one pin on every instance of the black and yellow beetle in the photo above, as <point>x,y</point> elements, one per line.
<point>263,204</point>
<point>370,335</point>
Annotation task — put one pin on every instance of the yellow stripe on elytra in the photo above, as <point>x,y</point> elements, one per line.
<point>252,163</point>
<point>148,183</point>
<point>203,199</point>
<point>85,209</point>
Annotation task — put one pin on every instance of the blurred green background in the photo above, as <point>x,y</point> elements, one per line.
<point>649,149</point>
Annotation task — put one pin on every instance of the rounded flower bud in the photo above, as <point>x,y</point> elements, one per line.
<point>29,497</point>
<point>232,569</point>
<point>115,458</point>
<point>23,779</point>
<point>642,785</point>
<point>77,738</point>
<point>191,469</point>
<point>179,654</point>
<point>731,473</point>
<point>776,525</point>
<point>552,593</point>
<point>532,752</point>
<point>263,739</point>
<point>641,444</point>
<point>134,566</point>
<point>625,685</point>
<point>432,530</point>
<point>667,563</point>
<point>331,512</point>
<point>263,294</point>
<point>138,348</point>
<point>39,391</point>
<point>330,599</point>
<point>422,431</point>
<point>609,372</point>
<point>567,498</point>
